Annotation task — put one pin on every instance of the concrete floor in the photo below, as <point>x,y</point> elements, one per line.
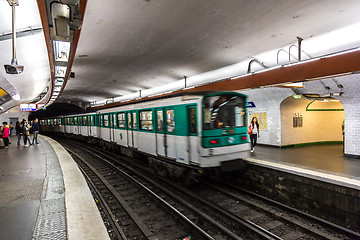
<point>22,174</point>
<point>328,158</point>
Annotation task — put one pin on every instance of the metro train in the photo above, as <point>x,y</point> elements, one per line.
<point>179,135</point>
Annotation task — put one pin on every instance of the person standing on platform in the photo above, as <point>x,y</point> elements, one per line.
<point>5,135</point>
<point>11,129</point>
<point>1,140</point>
<point>35,129</point>
<point>19,132</point>
<point>26,132</point>
<point>254,132</point>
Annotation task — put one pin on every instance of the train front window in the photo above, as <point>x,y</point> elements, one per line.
<point>223,111</point>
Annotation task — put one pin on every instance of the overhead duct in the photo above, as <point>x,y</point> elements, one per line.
<point>14,67</point>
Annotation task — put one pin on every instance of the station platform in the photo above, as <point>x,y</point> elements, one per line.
<point>326,163</point>
<point>43,195</point>
<point>324,158</point>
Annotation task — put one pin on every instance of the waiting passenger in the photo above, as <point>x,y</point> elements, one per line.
<point>5,134</point>
<point>35,130</point>
<point>26,132</point>
<point>19,132</point>
<point>1,140</point>
<point>11,129</point>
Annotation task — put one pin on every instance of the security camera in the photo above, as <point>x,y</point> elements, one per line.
<point>14,67</point>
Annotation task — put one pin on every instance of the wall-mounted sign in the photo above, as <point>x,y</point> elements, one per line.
<point>261,117</point>
<point>250,104</point>
<point>27,107</point>
<point>297,120</point>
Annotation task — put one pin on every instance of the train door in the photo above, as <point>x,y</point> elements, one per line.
<point>99,126</point>
<point>130,132</point>
<point>170,133</point>
<point>88,127</point>
<point>135,128</point>
<point>192,133</point>
<point>160,133</point>
<point>165,132</point>
<point>79,123</point>
<point>121,125</point>
<point>112,127</point>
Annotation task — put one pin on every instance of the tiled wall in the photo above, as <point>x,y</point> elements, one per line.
<point>13,113</point>
<point>317,126</point>
<point>268,100</point>
<point>351,103</point>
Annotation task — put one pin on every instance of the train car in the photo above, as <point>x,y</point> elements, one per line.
<point>51,124</point>
<point>190,131</point>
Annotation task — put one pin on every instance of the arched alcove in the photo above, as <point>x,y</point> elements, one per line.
<point>305,121</point>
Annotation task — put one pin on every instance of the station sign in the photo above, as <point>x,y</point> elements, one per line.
<point>28,107</point>
<point>250,104</point>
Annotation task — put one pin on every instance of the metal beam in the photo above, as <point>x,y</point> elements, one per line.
<point>23,33</point>
<point>346,63</point>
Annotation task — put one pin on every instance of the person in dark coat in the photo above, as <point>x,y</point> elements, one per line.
<point>35,129</point>
<point>19,132</point>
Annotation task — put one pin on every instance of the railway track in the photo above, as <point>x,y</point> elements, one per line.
<point>209,210</point>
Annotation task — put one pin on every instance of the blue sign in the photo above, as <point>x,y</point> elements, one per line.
<point>250,104</point>
<point>28,107</point>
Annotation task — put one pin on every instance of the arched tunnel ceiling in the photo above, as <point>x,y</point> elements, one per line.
<point>30,50</point>
<point>130,45</point>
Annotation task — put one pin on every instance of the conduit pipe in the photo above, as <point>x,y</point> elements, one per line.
<point>256,61</point>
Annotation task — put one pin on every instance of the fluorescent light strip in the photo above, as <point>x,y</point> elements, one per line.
<point>61,51</point>
<point>60,71</point>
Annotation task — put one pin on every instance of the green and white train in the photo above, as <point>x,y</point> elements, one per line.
<point>176,134</point>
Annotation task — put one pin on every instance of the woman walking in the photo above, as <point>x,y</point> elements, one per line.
<point>253,132</point>
<point>19,132</point>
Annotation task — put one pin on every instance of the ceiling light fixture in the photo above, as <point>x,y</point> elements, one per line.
<point>61,51</point>
<point>14,67</point>
<point>60,71</point>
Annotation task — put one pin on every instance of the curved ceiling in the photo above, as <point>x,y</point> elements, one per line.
<point>30,49</point>
<point>130,45</point>
<point>126,46</point>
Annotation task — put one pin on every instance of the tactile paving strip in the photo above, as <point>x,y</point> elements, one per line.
<point>51,220</point>
<point>50,225</point>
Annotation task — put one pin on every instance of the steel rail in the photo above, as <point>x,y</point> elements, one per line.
<point>248,224</point>
<point>119,229</point>
<point>192,224</point>
<point>345,231</point>
<point>132,214</point>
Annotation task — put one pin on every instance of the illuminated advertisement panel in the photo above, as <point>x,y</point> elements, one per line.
<point>27,107</point>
